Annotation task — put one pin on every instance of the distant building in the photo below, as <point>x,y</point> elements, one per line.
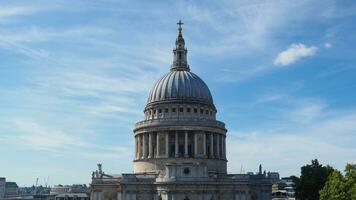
<point>70,192</point>
<point>59,189</point>
<point>8,189</point>
<point>57,192</point>
<point>283,187</point>
<point>32,197</point>
<point>274,176</point>
<point>79,188</point>
<point>2,187</point>
<point>11,189</point>
<point>289,186</point>
<point>34,190</point>
<point>72,196</point>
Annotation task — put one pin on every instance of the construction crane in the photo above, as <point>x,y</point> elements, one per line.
<point>35,192</point>
<point>46,181</point>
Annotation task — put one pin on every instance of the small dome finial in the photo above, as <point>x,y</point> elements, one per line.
<point>180,23</point>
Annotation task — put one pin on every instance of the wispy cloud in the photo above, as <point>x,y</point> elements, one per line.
<point>295,109</point>
<point>294,53</point>
<point>307,112</point>
<point>323,139</point>
<point>107,154</point>
<point>12,11</point>
<point>328,45</point>
<point>35,136</point>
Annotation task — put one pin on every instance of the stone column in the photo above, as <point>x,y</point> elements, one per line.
<point>224,145</point>
<point>135,148</point>
<point>195,144</point>
<point>157,145</point>
<point>119,196</point>
<point>186,144</point>
<point>167,144</point>
<point>218,145</point>
<point>139,146</point>
<point>204,144</point>
<point>144,147</point>
<point>100,195</point>
<point>150,145</point>
<point>221,146</point>
<point>212,145</point>
<point>176,144</point>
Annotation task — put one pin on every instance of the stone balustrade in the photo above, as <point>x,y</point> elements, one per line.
<point>184,121</point>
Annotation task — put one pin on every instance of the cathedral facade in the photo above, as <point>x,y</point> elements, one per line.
<point>180,147</point>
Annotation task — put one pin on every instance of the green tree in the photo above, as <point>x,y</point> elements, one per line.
<point>350,179</point>
<point>339,187</point>
<point>312,180</point>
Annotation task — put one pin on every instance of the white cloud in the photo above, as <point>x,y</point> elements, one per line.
<point>329,140</point>
<point>300,129</point>
<point>11,11</point>
<point>307,112</point>
<point>328,45</point>
<point>36,136</point>
<point>269,98</point>
<point>294,53</point>
<point>107,154</point>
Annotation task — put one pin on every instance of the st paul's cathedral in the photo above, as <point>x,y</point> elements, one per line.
<point>180,147</point>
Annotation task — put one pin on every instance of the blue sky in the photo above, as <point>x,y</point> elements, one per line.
<point>75,75</point>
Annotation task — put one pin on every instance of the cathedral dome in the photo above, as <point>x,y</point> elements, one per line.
<point>181,85</point>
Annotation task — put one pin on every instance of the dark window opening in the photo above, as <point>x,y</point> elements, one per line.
<point>186,171</point>
<point>181,150</point>
<point>188,110</point>
<point>201,111</point>
<point>207,112</point>
<point>160,111</point>
<point>173,109</point>
<point>195,110</point>
<point>190,151</point>
<point>180,109</point>
<point>172,150</point>
<point>166,110</point>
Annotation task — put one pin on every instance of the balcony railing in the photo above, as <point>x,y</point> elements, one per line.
<point>183,121</point>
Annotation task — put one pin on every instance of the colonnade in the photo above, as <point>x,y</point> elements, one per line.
<point>197,144</point>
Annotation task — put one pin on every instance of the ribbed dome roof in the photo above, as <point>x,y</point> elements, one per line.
<point>182,86</point>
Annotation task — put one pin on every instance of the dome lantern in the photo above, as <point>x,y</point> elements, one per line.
<point>180,52</point>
